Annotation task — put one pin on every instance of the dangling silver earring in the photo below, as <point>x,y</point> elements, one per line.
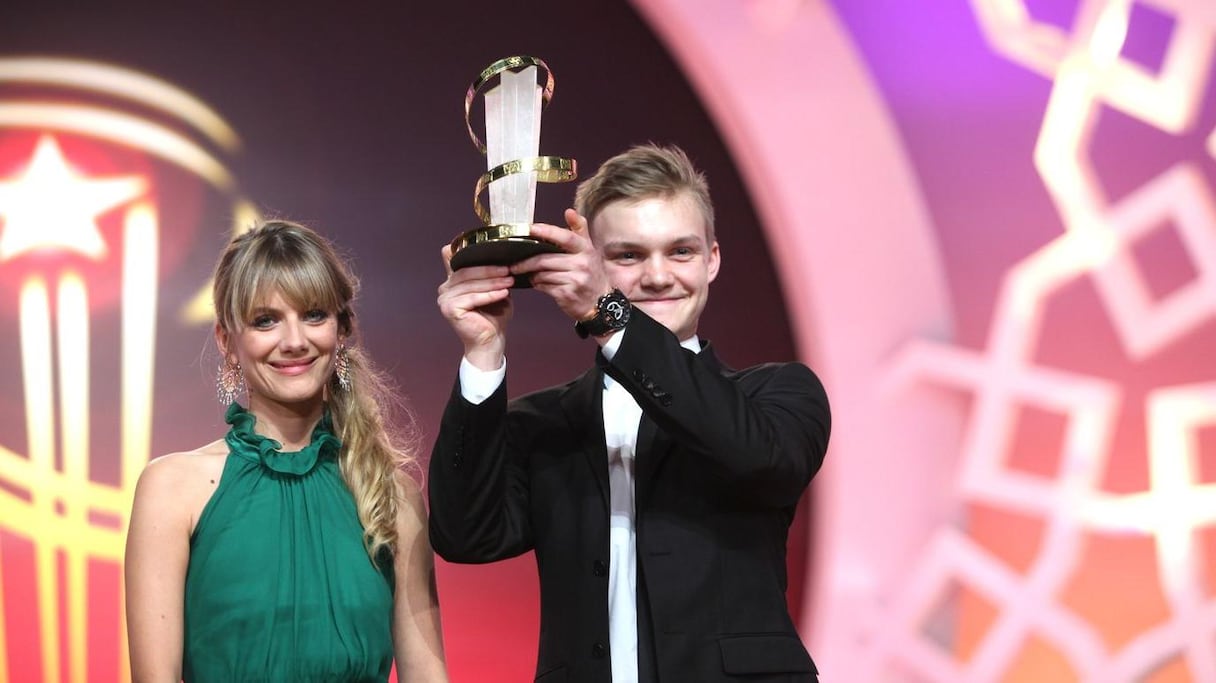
<point>229,381</point>
<point>342,367</point>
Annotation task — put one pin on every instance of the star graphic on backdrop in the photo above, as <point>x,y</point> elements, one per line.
<point>50,205</point>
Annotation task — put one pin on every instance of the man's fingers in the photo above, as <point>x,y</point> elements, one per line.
<point>473,273</point>
<point>561,237</point>
<point>547,278</point>
<point>477,300</point>
<point>455,286</point>
<point>571,240</point>
<point>577,223</point>
<point>537,263</point>
<point>578,259</point>
<point>446,253</point>
<point>470,272</point>
<point>457,305</point>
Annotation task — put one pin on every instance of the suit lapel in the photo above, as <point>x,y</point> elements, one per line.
<point>583,405</point>
<point>654,445</point>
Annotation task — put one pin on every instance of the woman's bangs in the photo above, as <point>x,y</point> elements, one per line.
<point>306,288</point>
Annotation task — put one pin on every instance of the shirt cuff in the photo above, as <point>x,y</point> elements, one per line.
<point>476,385</point>
<point>614,342</point>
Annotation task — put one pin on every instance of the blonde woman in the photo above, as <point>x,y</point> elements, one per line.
<point>294,548</point>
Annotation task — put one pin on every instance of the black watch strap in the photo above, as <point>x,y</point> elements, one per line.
<point>611,313</point>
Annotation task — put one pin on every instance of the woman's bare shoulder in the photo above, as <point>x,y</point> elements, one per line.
<point>176,487</point>
<point>186,469</point>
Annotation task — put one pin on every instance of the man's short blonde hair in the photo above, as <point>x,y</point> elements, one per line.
<point>645,172</point>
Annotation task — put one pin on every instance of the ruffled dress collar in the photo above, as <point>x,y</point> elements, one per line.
<point>245,442</point>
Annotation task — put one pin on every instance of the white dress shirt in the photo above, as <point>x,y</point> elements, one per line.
<point>622,415</point>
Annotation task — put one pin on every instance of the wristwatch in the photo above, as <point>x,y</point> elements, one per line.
<point>611,314</point>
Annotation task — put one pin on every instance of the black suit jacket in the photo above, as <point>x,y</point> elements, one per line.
<point>722,459</point>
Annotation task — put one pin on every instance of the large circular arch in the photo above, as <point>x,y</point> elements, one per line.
<point>857,257</point>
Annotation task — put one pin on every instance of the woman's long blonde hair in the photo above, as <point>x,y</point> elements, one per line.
<point>304,267</point>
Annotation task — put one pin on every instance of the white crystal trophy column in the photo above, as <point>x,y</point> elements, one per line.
<point>513,132</point>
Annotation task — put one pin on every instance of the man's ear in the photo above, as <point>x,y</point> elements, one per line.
<point>715,260</point>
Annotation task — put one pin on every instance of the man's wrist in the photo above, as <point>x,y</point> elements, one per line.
<point>485,359</point>
<point>612,312</point>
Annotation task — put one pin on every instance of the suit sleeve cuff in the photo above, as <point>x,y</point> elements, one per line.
<point>477,385</point>
<point>610,347</point>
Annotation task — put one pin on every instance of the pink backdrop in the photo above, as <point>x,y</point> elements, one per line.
<point>1020,488</point>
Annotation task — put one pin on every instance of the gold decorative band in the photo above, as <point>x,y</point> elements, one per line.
<point>548,169</point>
<point>514,62</point>
<point>490,233</point>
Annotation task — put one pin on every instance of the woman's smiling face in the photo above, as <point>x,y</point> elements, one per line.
<point>286,354</point>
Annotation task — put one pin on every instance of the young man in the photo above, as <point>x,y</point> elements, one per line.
<point>657,488</point>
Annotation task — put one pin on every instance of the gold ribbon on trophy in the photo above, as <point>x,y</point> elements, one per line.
<point>512,141</point>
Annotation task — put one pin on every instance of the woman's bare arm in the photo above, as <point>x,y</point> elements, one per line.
<point>417,634</point>
<point>168,498</point>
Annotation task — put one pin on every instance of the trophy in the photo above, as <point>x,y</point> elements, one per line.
<point>513,163</point>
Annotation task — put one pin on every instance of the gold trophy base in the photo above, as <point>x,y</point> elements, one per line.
<point>499,245</point>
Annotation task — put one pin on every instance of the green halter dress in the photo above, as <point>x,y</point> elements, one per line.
<point>279,586</point>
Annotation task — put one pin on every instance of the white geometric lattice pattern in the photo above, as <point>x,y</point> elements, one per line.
<point>1088,74</point>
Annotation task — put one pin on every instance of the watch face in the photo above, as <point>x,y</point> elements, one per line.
<point>615,309</point>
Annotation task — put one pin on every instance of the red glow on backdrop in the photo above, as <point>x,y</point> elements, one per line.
<point>81,168</point>
<point>62,215</point>
<point>84,253</point>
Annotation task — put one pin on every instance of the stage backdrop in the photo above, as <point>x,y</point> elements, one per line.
<point>988,225</point>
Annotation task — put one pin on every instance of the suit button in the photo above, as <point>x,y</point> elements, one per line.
<point>599,651</point>
<point>665,400</point>
<point>599,568</point>
<point>639,375</point>
<point>457,462</point>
